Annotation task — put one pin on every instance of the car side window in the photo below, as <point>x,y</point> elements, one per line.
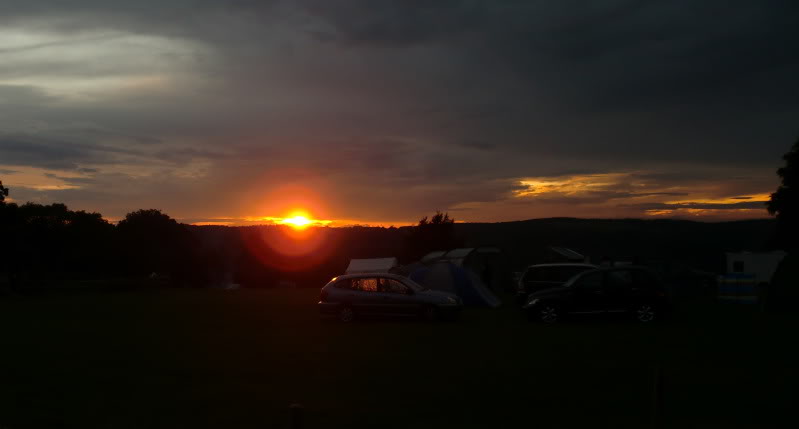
<point>620,281</point>
<point>392,286</point>
<point>590,282</point>
<point>360,284</point>
<point>566,273</point>
<point>645,280</point>
<point>367,284</point>
<point>541,274</point>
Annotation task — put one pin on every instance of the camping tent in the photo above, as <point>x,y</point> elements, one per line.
<point>376,265</point>
<point>448,277</point>
<point>747,274</point>
<point>433,256</point>
<point>761,265</point>
<point>487,263</point>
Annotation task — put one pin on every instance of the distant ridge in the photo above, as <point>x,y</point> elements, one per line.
<point>617,220</point>
<point>697,243</point>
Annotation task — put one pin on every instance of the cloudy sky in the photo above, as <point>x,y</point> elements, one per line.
<point>381,111</point>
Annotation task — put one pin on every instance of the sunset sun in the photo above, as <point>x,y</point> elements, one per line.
<point>297,221</point>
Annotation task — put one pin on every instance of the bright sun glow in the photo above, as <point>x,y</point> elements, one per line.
<point>297,221</point>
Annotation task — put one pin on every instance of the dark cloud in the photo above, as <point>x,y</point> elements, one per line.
<point>701,206</point>
<point>26,152</point>
<point>444,103</point>
<point>62,154</point>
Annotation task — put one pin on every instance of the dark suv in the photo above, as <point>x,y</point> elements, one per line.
<point>633,290</point>
<point>545,276</point>
<point>383,294</point>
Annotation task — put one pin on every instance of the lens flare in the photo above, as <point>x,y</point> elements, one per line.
<point>297,221</point>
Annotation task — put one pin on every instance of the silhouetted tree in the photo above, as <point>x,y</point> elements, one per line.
<point>430,234</point>
<point>5,233</point>
<point>153,242</point>
<point>3,192</point>
<point>437,219</point>
<point>46,244</point>
<point>784,203</point>
<point>147,240</point>
<point>91,242</point>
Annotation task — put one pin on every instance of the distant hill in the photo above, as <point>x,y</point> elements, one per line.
<point>699,244</point>
<point>672,243</point>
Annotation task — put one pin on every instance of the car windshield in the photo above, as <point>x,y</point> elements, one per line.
<point>574,278</point>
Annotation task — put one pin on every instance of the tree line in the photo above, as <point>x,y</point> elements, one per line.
<point>44,245</point>
<point>50,246</point>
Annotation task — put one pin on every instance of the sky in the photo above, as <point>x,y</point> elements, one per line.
<point>382,111</point>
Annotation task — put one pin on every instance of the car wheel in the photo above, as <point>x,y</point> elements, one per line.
<point>346,314</point>
<point>645,313</point>
<point>429,313</point>
<point>548,313</point>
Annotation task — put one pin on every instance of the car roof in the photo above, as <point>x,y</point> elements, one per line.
<point>563,264</point>
<point>616,268</point>
<point>619,268</point>
<point>626,267</point>
<point>375,274</point>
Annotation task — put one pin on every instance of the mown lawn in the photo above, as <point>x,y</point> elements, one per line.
<point>229,359</point>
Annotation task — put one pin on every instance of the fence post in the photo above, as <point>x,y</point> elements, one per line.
<point>295,416</point>
<point>657,398</point>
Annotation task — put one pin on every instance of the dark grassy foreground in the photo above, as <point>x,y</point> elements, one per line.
<point>227,359</point>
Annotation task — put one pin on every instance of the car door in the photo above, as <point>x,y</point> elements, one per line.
<point>646,287</point>
<point>618,288</point>
<point>565,273</point>
<point>366,299</point>
<point>538,278</point>
<point>589,294</point>
<point>398,298</point>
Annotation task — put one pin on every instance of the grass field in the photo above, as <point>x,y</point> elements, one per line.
<point>230,359</point>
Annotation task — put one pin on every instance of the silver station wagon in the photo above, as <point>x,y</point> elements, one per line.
<point>382,294</point>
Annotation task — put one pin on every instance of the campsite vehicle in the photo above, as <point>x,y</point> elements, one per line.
<point>545,276</point>
<point>748,276</point>
<point>384,294</point>
<point>629,289</point>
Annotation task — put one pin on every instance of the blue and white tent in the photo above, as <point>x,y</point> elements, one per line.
<point>448,277</point>
<point>487,263</point>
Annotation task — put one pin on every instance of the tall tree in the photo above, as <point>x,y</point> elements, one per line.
<point>784,203</point>
<point>431,234</point>
<point>3,192</point>
<point>153,242</point>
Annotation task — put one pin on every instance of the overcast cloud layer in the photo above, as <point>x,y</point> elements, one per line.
<point>382,111</point>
